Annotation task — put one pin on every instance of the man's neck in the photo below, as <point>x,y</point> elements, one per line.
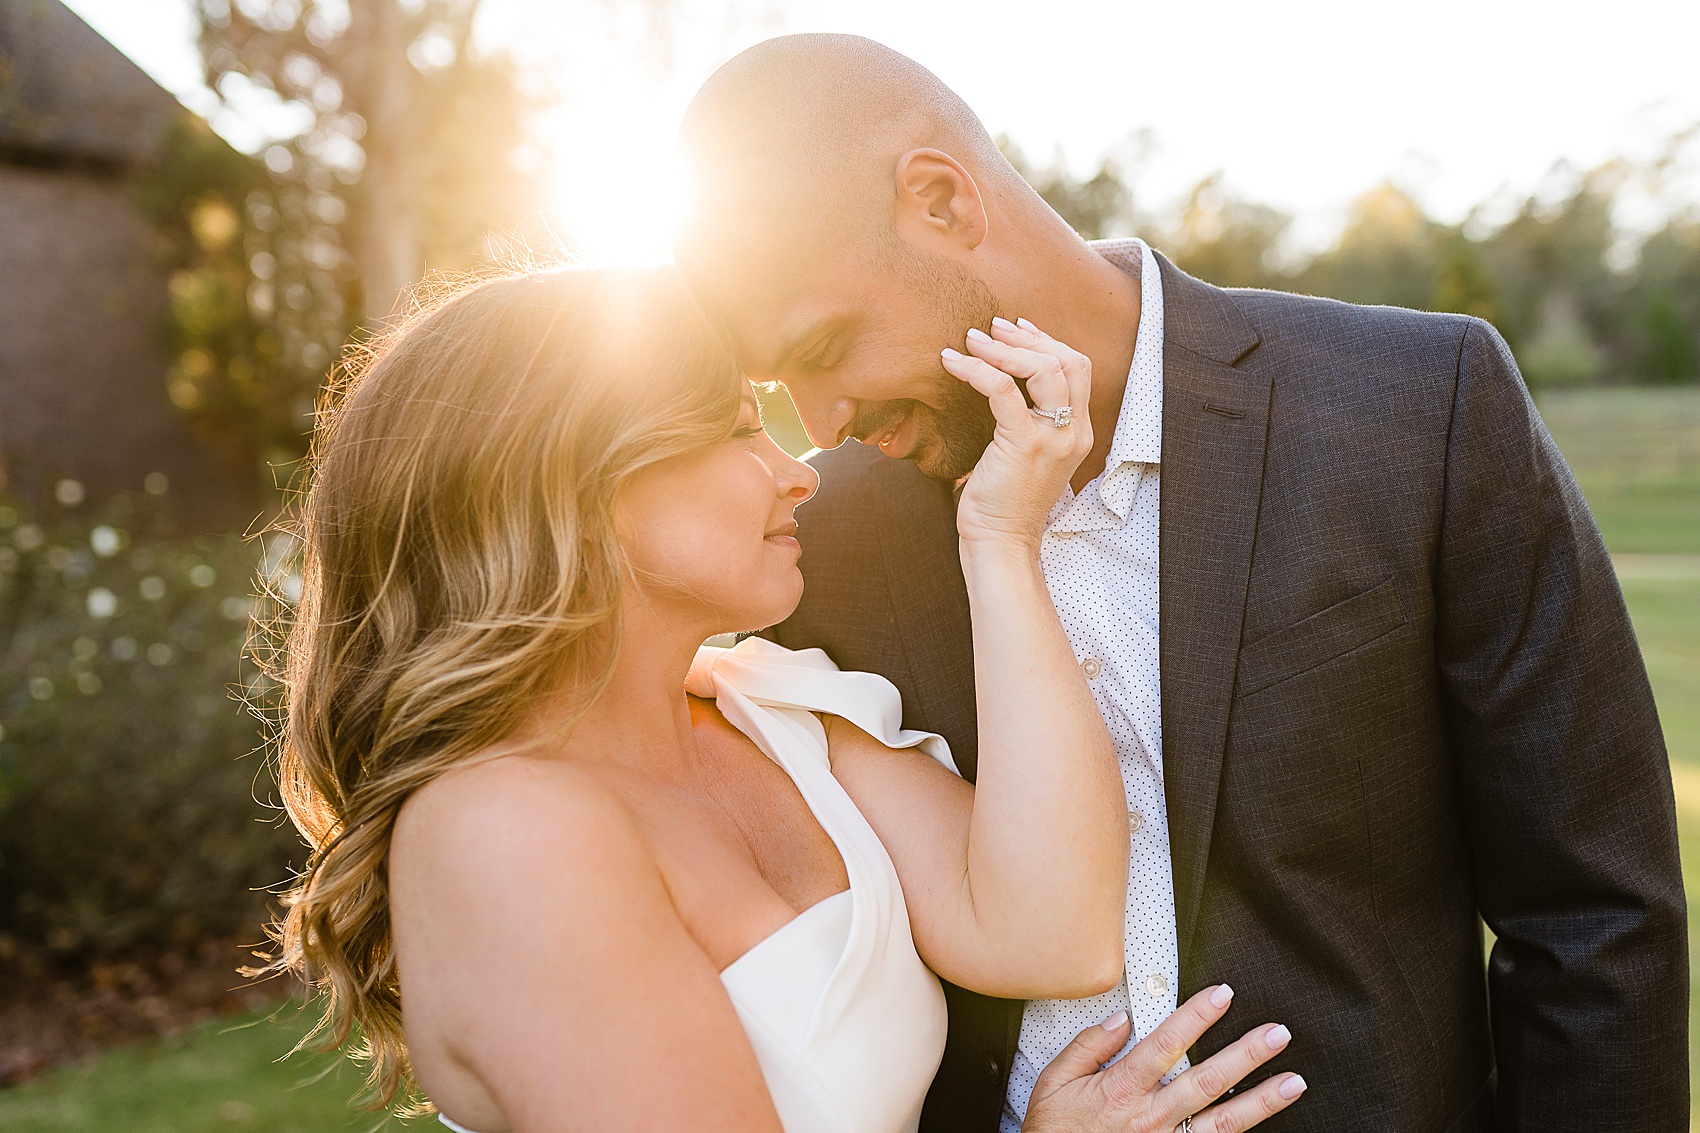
<point>1083,300</point>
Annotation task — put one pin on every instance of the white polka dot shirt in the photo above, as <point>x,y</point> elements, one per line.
<point>1100,561</point>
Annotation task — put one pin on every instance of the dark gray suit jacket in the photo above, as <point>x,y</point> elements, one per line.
<point>1399,690</point>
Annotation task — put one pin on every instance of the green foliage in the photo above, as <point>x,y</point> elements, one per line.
<point>127,770</point>
<point>405,155</point>
<point>1100,207</point>
<point>245,366</point>
<point>1579,299</point>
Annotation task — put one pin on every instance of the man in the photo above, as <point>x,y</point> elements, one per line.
<point>1395,692</point>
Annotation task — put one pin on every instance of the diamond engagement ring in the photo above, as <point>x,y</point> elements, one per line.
<point>1059,418</point>
<point>1186,1125</point>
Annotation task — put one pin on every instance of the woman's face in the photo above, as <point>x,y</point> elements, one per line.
<point>711,532</point>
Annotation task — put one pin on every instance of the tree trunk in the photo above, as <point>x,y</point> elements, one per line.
<point>388,214</point>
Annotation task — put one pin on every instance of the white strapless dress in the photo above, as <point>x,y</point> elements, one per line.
<point>847,1023</point>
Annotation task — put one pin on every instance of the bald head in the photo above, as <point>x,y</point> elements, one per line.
<point>849,217</point>
<point>820,120</point>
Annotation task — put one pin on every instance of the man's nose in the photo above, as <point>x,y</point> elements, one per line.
<point>824,414</point>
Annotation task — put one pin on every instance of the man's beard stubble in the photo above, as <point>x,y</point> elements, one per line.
<point>956,424</point>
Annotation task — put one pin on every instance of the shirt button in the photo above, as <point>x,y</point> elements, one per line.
<point>1135,822</point>
<point>1092,667</point>
<point>1156,985</point>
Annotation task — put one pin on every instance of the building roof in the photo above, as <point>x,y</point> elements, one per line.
<point>67,95</point>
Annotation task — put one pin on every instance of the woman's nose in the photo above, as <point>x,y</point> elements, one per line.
<point>796,480</point>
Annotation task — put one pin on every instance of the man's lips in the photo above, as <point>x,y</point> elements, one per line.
<point>896,438</point>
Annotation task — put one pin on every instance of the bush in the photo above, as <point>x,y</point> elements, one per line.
<point>128,770</point>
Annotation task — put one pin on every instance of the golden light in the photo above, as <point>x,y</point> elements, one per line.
<point>616,192</point>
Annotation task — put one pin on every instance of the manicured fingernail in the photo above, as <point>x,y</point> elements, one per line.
<point>1222,996</point>
<point>1115,1022</point>
<point>1002,323</point>
<point>1025,325</point>
<point>952,355</point>
<point>978,335</point>
<point>1278,1036</point>
<point>1292,1087</point>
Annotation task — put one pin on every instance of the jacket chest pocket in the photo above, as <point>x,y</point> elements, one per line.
<point>1320,638</point>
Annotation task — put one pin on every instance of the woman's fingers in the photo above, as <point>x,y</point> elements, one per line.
<point>998,387</point>
<point>1216,1075</point>
<point>1077,368</point>
<point>1042,371</point>
<point>1154,1055</point>
<point>1246,1110</point>
<point>1085,1054</point>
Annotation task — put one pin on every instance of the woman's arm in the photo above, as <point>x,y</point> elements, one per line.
<point>542,959</point>
<point>1016,888</point>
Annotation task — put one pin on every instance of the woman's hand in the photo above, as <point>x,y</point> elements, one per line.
<point>1073,1095</point>
<point>1009,494</point>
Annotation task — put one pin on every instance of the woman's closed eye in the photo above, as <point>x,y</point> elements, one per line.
<point>749,420</point>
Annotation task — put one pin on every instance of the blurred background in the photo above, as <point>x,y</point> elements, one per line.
<point>203,201</point>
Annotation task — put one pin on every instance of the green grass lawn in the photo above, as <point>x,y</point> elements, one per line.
<point>1636,454</point>
<point>221,1077</point>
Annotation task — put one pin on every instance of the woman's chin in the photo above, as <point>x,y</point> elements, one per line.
<point>776,602</point>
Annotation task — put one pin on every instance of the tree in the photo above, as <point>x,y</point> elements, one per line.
<point>404,155</point>
<point>1223,238</point>
<point>1100,207</point>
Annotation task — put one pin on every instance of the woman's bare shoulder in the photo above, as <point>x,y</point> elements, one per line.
<point>516,820</point>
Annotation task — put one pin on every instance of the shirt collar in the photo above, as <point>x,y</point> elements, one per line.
<point>1104,504</point>
<point>1139,426</point>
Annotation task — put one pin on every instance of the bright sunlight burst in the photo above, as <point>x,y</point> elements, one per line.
<point>616,193</point>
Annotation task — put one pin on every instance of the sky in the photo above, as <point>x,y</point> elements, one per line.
<point>1302,104</point>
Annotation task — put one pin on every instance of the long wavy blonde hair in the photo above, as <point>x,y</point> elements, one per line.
<point>458,560</point>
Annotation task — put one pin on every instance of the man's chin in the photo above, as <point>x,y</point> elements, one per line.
<point>940,461</point>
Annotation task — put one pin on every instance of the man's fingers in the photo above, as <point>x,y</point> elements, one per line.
<point>1210,1079</point>
<point>1152,1057</point>
<point>1246,1110</point>
<point>1083,1056</point>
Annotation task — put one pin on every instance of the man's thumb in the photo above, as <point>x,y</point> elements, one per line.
<point>1086,1053</point>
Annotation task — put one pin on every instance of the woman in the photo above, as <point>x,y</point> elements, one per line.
<point>621,882</point>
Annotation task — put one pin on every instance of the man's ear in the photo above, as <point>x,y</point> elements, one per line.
<point>937,198</point>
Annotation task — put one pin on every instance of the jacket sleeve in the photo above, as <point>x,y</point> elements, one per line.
<point>1563,775</point>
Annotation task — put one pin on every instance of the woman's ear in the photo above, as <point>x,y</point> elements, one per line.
<point>937,198</point>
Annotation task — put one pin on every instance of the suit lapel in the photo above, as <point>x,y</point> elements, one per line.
<point>1215,432</point>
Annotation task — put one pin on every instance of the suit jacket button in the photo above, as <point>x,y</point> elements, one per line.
<point>994,1068</point>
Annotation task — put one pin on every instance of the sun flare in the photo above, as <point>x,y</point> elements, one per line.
<point>617,181</point>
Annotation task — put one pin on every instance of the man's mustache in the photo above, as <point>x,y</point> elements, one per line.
<point>872,420</point>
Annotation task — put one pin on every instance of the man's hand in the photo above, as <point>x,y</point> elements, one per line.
<point>1073,1095</point>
